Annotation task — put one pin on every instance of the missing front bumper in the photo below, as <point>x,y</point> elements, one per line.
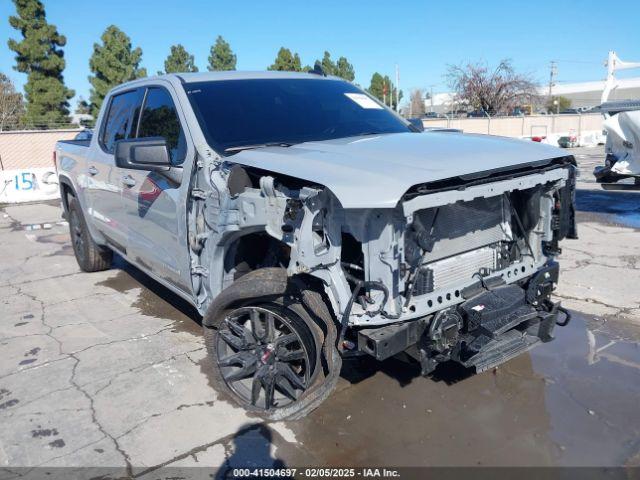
<point>488,329</point>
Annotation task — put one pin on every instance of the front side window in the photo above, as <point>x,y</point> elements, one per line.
<point>160,119</point>
<point>121,119</point>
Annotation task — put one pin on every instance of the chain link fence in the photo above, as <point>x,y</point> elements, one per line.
<point>26,159</point>
<point>13,125</point>
<point>22,149</point>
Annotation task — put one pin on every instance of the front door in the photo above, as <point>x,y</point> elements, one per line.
<point>154,202</point>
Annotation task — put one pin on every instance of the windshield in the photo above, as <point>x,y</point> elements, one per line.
<point>255,112</point>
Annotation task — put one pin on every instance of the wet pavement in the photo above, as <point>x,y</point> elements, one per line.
<point>108,369</point>
<point>568,402</point>
<point>613,208</point>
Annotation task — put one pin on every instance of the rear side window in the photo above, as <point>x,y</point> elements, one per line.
<point>160,119</point>
<point>121,119</point>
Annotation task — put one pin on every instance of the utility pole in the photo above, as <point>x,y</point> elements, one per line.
<point>397,87</point>
<point>431,96</point>
<point>553,71</point>
<point>384,92</point>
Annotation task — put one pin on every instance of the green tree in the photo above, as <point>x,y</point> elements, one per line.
<point>381,87</point>
<point>286,61</point>
<point>328,67</point>
<point>222,57</point>
<point>82,107</point>
<point>179,61</point>
<point>11,104</point>
<point>345,70</point>
<point>40,56</point>
<point>563,104</point>
<point>113,62</point>
<point>342,68</point>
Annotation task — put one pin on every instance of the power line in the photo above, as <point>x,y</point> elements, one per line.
<point>580,61</point>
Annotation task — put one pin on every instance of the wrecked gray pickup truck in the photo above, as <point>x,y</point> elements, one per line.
<point>306,222</point>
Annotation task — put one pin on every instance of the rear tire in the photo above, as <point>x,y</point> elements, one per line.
<point>90,256</point>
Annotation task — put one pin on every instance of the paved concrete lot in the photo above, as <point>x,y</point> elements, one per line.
<point>106,369</point>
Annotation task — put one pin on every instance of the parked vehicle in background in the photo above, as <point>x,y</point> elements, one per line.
<point>568,141</point>
<point>622,147</point>
<point>306,221</point>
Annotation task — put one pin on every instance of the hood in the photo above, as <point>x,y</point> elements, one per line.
<point>375,171</point>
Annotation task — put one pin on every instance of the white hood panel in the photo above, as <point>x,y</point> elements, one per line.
<point>375,171</point>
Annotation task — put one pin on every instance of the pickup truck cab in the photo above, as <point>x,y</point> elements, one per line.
<point>305,221</point>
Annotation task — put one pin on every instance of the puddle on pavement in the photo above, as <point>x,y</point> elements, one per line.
<point>59,239</point>
<point>568,402</point>
<point>617,208</point>
<point>153,300</point>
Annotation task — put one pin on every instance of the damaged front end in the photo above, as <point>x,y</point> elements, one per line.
<point>476,268</point>
<point>459,270</point>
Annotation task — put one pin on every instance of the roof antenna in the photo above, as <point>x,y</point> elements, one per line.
<point>317,70</point>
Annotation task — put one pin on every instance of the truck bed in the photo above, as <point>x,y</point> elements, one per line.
<point>80,143</point>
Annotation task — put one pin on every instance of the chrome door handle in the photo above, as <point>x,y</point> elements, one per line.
<point>92,170</point>
<point>129,181</point>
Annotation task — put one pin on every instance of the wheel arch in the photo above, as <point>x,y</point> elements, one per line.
<point>66,189</point>
<point>252,247</point>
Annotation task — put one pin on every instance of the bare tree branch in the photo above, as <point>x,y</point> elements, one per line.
<point>417,103</point>
<point>11,103</point>
<point>494,92</point>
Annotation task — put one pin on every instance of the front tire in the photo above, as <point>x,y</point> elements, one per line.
<point>266,357</point>
<point>90,256</point>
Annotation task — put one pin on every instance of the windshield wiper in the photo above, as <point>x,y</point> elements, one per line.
<point>258,145</point>
<point>367,134</point>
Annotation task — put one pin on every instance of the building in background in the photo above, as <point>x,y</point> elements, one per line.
<point>581,94</point>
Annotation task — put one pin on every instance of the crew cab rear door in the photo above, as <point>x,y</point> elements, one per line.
<point>155,201</point>
<point>104,180</point>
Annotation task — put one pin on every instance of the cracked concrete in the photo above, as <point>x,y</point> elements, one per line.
<point>107,370</point>
<point>599,271</point>
<point>101,363</point>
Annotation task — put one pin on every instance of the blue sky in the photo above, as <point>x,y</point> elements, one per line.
<point>421,36</point>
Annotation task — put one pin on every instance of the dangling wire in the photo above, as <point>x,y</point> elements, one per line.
<point>520,226</point>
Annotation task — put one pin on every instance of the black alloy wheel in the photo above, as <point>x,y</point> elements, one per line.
<point>266,356</point>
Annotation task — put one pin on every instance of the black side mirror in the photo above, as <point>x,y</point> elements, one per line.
<point>416,124</point>
<point>150,154</point>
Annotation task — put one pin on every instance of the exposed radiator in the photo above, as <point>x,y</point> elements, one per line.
<point>455,269</point>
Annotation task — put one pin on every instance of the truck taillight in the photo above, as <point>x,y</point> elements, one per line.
<point>55,161</point>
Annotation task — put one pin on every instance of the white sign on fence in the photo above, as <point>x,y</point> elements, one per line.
<point>17,186</point>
